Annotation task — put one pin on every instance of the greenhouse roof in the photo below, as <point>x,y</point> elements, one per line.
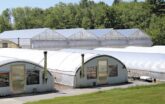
<point>76,34</point>
<point>140,61</point>
<point>127,32</point>
<point>6,59</point>
<point>68,32</point>
<point>107,33</point>
<point>113,35</point>
<point>66,62</point>
<point>25,33</point>
<point>99,32</point>
<point>73,33</point>
<point>133,33</point>
<point>154,49</point>
<point>49,35</point>
<point>136,49</point>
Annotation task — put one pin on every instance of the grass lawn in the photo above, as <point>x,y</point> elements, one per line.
<point>154,94</point>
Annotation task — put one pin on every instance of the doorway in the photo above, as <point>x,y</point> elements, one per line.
<point>18,78</point>
<point>102,71</point>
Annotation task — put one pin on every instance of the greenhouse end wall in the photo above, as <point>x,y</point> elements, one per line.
<point>10,72</point>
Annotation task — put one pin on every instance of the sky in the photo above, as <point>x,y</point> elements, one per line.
<point>40,3</point>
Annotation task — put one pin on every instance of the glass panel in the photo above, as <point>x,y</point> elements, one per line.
<point>4,79</point>
<point>32,77</point>
<point>91,72</point>
<point>18,78</point>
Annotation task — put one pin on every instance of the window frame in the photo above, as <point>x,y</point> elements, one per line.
<point>31,71</point>
<point>8,78</point>
<point>89,72</point>
<point>113,70</point>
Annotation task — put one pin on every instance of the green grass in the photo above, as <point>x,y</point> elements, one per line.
<point>154,94</point>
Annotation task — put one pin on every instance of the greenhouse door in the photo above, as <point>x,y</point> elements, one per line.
<point>102,71</point>
<point>18,78</point>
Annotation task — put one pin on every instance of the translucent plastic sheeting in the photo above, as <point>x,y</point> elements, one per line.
<point>133,60</point>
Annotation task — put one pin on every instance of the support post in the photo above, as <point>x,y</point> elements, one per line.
<point>45,67</point>
<point>18,40</point>
<point>82,65</point>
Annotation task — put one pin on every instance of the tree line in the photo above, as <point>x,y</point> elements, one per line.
<point>88,14</point>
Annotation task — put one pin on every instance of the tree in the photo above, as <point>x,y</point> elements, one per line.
<point>117,1</point>
<point>5,21</point>
<point>20,18</point>
<point>127,15</point>
<point>28,18</point>
<point>155,1</point>
<point>100,15</point>
<point>35,18</point>
<point>157,29</point>
<point>86,3</point>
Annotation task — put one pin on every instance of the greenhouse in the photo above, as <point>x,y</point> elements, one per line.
<point>79,37</point>
<point>20,76</point>
<point>49,39</point>
<point>75,69</point>
<point>21,37</point>
<point>136,37</point>
<point>160,49</point>
<point>45,38</point>
<point>110,38</point>
<point>138,64</point>
<point>142,64</point>
<point>99,32</point>
<point>153,49</point>
<point>7,44</point>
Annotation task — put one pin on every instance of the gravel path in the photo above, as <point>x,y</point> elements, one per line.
<point>65,92</point>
